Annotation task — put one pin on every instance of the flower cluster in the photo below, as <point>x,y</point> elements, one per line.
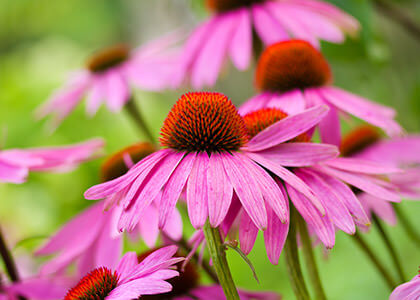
<point>278,163</point>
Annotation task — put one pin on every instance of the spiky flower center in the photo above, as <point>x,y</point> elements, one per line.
<point>94,286</point>
<point>259,120</point>
<point>108,58</point>
<point>291,65</point>
<point>187,280</point>
<point>226,5</point>
<point>116,165</point>
<point>358,140</point>
<point>203,121</point>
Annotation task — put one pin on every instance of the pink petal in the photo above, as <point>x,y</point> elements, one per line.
<point>197,198</point>
<point>383,209</point>
<point>288,177</point>
<point>126,264</point>
<point>275,235</point>
<point>173,227</point>
<point>12,174</point>
<point>332,203</point>
<point>238,169</point>
<point>361,166</point>
<point>174,187</point>
<point>240,48</point>
<point>407,291</point>
<point>219,191</point>
<point>291,102</point>
<point>136,288</point>
<point>255,103</point>
<point>247,233</point>
<point>267,27</point>
<point>148,226</point>
<point>287,129</point>
<point>322,225</point>
<point>96,94</point>
<point>299,154</point>
<point>117,92</point>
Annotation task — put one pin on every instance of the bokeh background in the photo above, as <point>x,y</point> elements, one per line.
<point>41,40</point>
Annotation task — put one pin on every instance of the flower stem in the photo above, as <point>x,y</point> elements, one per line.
<point>399,16</point>
<point>218,256</point>
<point>378,264</point>
<point>9,263</point>
<point>406,224</point>
<point>292,260</point>
<point>390,247</point>
<point>308,254</point>
<point>135,114</point>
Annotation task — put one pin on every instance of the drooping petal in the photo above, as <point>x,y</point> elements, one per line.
<point>361,166</point>
<point>173,188</point>
<point>197,199</point>
<point>247,233</point>
<point>96,95</point>
<point>148,226</point>
<point>383,209</point>
<point>322,225</point>
<point>126,264</point>
<point>136,288</point>
<point>287,128</point>
<point>291,102</point>
<point>12,174</point>
<point>332,203</point>
<point>246,187</point>
<point>255,103</point>
<point>240,48</point>
<point>117,92</point>
<point>299,154</point>
<point>219,190</point>
<point>269,30</point>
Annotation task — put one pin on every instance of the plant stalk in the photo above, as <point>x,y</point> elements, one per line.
<point>390,247</point>
<point>406,224</point>
<point>9,263</point>
<point>292,260</point>
<point>310,261</point>
<point>135,114</point>
<point>378,264</point>
<point>218,255</point>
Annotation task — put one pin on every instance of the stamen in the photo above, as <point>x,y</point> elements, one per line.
<point>108,58</point>
<point>291,65</point>
<point>116,165</point>
<point>95,285</point>
<point>203,121</point>
<point>358,140</point>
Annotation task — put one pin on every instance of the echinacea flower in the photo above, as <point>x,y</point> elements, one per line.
<point>127,280</point>
<point>407,291</point>
<point>293,75</point>
<point>207,151</point>
<point>237,25</point>
<point>108,76</point>
<point>365,142</point>
<point>186,286</point>
<point>15,164</point>
<point>91,239</point>
<point>336,205</point>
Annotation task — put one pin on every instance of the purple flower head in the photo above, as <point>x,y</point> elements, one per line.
<point>209,153</point>
<point>293,75</point>
<point>229,32</point>
<point>15,164</point>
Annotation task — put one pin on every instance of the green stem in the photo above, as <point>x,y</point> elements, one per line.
<point>292,260</point>
<point>406,224</point>
<point>308,254</point>
<point>218,256</point>
<point>378,264</point>
<point>390,247</point>
<point>135,114</point>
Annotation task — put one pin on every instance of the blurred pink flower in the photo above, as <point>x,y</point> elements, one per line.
<point>293,75</point>
<point>407,291</point>
<point>109,75</point>
<point>229,32</point>
<point>215,292</point>
<point>127,280</point>
<point>15,164</point>
<point>208,153</point>
<point>366,143</point>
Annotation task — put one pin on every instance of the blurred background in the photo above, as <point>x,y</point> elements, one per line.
<point>42,40</point>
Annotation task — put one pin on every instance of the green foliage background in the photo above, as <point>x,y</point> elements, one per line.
<point>41,40</point>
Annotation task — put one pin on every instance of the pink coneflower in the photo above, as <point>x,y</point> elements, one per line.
<point>128,280</point>
<point>108,76</point>
<point>365,142</point>
<point>337,206</point>
<point>230,32</point>
<point>407,291</point>
<point>293,75</point>
<point>207,151</point>
<point>15,164</point>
